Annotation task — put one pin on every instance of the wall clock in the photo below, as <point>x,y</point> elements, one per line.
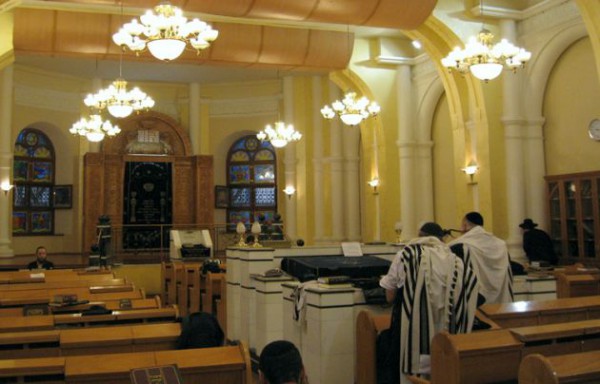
<point>594,129</point>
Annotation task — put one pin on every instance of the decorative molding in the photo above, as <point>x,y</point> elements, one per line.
<point>8,5</point>
<point>48,99</point>
<point>561,13</point>
<point>256,106</point>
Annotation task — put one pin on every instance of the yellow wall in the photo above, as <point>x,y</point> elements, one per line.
<point>571,102</point>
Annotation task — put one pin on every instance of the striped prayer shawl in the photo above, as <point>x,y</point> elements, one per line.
<point>430,266</point>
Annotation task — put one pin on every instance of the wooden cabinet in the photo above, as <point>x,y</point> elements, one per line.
<point>574,212</point>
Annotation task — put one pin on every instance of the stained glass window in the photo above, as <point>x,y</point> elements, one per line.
<point>252,181</point>
<point>33,175</point>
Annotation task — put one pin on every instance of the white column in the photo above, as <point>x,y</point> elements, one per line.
<point>336,173</point>
<point>471,127</point>
<point>515,175</point>
<point>425,181</point>
<point>194,112</point>
<point>535,163</point>
<point>406,151</point>
<point>317,143</point>
<point>351,141</point>
<point>6,156</point>
<point>289,160</point>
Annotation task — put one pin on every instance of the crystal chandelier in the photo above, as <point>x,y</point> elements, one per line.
<point>351,110</point>
<point>483,60</point>
<point>165,33</point>
<point>118,101</point>
<point>279,135</point>
<point>94,128</point>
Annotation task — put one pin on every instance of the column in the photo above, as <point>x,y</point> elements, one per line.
<point>535,166</point>
<point>336,174</point>
<point>406,151</point>
<point>194,111</point>
<point>317,143</point>
<point>6,101</point>
<point>351,142</point>
<point>425,181</point>
<point>515,175</point>
<point>289,160</point>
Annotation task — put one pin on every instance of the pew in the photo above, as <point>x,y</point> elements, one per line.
<point>494,356</point>
<point>218,365</point>
<point>526,313</point>
<point>368,327</point>
<point>63,284</point>
<point>89,341</point>
<point>571,368</point>
<point>36,276</point>
<point>20,298</point>
<point>48,322</point>
<point>577,285</point>
<point>212,290</point>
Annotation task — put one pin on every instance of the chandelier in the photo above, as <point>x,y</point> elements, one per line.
<point>165,33</point>
<point>483,60</point>
<point>279,135</point>
<point>118,101</point>
<point>351,110</point>
<point>94,128</point>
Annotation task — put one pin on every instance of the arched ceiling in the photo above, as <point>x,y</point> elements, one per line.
<point>291,35</point>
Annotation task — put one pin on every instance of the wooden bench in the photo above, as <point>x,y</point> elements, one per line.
<point>20,298</point>
<point>368,327</point>
<point>495,356</point>
<point>36,276</point>
<point>48,322</point>
<point>89,341</point>
<point>571,368</point>
<point>219,365</point>
<point>526,313</point>
<point>212,283</point>
<point>63,284</point>
<point>577,285</point>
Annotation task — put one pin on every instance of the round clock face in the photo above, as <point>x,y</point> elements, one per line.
<point>594,129</point>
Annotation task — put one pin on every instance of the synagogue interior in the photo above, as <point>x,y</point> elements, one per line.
<point>270,131</point>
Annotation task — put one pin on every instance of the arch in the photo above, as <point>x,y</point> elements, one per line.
<point>427,107</point>
<point>540,68</point>
<point>172,138</point>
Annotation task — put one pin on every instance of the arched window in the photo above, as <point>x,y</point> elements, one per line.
<point>252,181</point>
<point>33,176</point>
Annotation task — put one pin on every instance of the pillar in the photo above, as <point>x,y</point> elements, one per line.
<point>194,111</point>
<point>317,143</point>
<point>6,143</point>
<point>336,174</point>
<point>289,160</point>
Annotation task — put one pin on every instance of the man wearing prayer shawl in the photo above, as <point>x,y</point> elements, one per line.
<point>488,256</point>
<point>432,291</point>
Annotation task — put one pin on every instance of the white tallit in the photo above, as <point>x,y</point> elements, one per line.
<point>438,294</point>
<point>489,258</point>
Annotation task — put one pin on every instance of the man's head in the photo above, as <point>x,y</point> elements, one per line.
<point>280,362</point>
<point>41,253</point>
<point>527,225</point>
<point>471,219</point>
<point>432,229</point>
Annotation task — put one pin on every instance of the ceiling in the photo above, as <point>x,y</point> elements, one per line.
<point>258,39</point>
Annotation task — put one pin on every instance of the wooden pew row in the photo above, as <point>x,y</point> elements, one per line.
<point>219,365</point>
<point>494,356</point>
<point>526,313</point>
<point>26,276</point>
<point>50,322</point>
<point>20,298</point>
<point>89,341</point>
<point>577,285</point>
<point>113,305</point>
<point>63,284</point>
<point>572,368</point>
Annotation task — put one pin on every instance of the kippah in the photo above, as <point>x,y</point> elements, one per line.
<point>475,218</point>
<point>432,229</point>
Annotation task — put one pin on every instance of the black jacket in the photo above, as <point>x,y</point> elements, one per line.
<point>538,246</point>
<point>45,265</point>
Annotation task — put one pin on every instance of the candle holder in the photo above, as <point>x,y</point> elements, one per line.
<point>398,228</point>
<point>241,230</point>
<point>256,230</point>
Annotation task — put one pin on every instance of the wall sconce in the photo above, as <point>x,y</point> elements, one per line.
<point>470,170</point>
<point>6,186</point>
<point>374,184</point>
<point>289,191</point>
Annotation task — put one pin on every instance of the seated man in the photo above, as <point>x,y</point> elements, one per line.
<point>432,291</point>
<point>280,363</point>
<point>40,260</point>
<point>488,256</point>
<point>537,244</point>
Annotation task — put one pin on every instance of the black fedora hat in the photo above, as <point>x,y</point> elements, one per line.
<point>528,224</point>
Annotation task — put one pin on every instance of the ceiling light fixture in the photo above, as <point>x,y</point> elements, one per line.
<point>484,60</point>
<point>165,33</point>
<point>94,128</point>
<point>352,111</point>
<point>118,101</point>
<point>279,135</point>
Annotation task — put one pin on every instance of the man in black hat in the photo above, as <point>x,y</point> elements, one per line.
<point>537,244</point>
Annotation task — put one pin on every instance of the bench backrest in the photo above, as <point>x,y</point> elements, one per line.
<point>572,368</point>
